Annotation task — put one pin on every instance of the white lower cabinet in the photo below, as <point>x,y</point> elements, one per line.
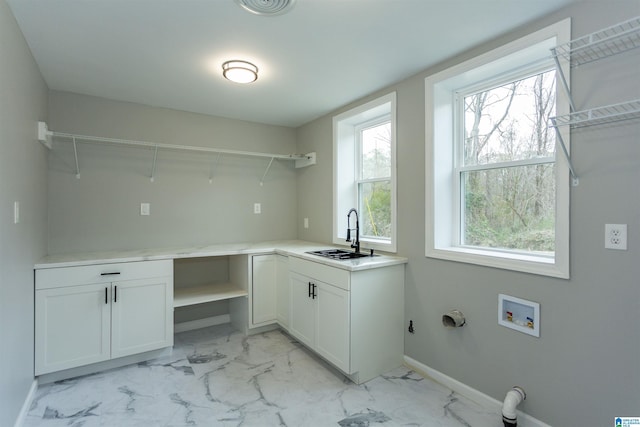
<point>320,318</point>
<point>269,290</point>
<point>303,310</point>
<point>353,319</point>
<point>94,313</point>
<point>263,306</point>
<point>72,327</point>
<point>141,317</point>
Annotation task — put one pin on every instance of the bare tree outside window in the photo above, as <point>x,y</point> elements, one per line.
<point>507,166</point>
<point>374,186</point>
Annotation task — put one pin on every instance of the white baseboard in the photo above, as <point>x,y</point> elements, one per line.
<point>480,398</point>
<point>201,323</point>
<point>22,416</point>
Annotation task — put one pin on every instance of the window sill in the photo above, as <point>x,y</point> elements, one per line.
<point>366,245</point>
<point>526,263</point>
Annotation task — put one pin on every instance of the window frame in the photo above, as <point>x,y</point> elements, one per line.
<point>346,166</point>
<point>359,180</point>
<point>513,61</point>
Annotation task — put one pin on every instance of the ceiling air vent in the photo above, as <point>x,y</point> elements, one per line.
<point>266,7</point>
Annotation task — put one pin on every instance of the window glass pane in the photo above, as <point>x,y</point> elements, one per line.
<point>510,122</point>
<point>510,208</point>
<point>375,209</point>
<point>376,151</point>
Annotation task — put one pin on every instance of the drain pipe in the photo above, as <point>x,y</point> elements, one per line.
<point>513,399</point>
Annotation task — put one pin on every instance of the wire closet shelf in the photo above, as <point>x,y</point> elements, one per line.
<point>598,45</point>
<point>601,44</point>
<point>45,136</point>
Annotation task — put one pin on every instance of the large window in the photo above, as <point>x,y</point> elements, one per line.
<point>364,173</point>
<point>496,195</point>
<point>506,165</point>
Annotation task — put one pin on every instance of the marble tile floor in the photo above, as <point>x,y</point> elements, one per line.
<point>218,377</point>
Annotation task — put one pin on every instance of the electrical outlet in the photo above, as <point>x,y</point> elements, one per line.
<point>145,209</point>
<point>306,223</point>
<point>257,208</point>
<point>615,236</point>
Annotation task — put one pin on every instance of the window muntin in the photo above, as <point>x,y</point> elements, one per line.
<point>506,179</point>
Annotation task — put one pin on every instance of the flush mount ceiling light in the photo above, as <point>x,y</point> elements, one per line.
<point>240,71</point>
<point>266,7</point>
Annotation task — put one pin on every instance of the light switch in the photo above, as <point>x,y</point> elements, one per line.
<point>145,209</point>
<point>306,223</point>
<point>16,212</point>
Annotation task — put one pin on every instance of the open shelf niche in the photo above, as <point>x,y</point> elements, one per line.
<point>209,279</point>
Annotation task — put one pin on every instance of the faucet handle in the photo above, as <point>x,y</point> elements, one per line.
<point>348,234</point>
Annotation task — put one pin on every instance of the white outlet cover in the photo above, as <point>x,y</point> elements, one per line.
<point>145,209</point>
<point>615,236</point>
<point>257,208</point>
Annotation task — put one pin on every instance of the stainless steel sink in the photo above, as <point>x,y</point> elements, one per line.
<point>339,254</point>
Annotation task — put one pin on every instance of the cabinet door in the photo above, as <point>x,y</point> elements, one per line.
<point>141,315</point>
<point>302,322</point>
<point>72,327</point>
<point>333,326</point>
<point>282,290</point>
<point>264,289</point>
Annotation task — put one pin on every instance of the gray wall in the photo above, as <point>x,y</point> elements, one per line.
<point>583,370</point>
<point>100,211</point>
<point>23,174</point>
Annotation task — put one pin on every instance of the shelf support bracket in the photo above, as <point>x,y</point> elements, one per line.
<point>266,172</point>
<point>574,178</point>
<point>213,166</point>
<point>75,153</point>
<point>563,80</point>
<point>153,168</point>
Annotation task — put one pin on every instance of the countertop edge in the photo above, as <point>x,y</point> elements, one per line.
<point>296,248</point>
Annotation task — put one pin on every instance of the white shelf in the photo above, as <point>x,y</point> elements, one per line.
<point>183,297</point>
<point>45,136</point>
<point>609,41</point>
<point>601,44</point>
<point>601,115</point>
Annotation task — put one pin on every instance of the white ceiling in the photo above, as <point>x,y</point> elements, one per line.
<point>321,55</point>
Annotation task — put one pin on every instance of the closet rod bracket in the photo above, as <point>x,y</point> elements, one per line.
<point>309,159</point>
<point>45,136</point>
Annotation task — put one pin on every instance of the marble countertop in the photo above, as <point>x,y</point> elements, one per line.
<point>295,248</point>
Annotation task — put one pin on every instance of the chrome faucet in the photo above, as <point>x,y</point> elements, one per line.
<point>356,244</point>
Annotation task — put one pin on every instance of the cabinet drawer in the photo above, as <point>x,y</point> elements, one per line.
<point>332,275</point>
<point>101,273</point>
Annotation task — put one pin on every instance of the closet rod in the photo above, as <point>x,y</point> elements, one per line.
<point>45,136</point>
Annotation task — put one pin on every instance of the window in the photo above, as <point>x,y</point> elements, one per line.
<point>496,195</point>
<point>364,173</point>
